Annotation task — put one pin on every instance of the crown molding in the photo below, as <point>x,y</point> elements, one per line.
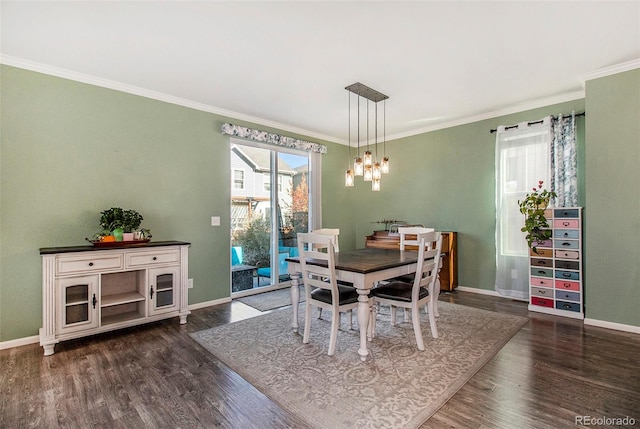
<point>607,71</point>
<point>130,89</point>
<point>517,108</point>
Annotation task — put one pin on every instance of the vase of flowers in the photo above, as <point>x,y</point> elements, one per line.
<point>532,207</point>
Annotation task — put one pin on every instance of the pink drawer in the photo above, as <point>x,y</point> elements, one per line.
<point>566,285</point>
<point>566,223</point>
<point>540,281</point>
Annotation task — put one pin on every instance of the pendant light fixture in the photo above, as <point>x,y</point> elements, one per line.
<point>367,166</point>
<point>348,176</point>
<point>384,164</point>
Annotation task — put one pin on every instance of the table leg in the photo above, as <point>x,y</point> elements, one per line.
<point>363,321</point>
<point>295,299</point>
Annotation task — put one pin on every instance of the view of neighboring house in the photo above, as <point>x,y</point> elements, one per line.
<point>251,185</point>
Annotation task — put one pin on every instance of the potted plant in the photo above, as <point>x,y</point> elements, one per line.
<point>116,221</point>
<point>532,207</point>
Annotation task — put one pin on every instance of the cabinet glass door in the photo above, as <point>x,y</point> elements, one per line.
<point>162,290</point>
<point>78,303</point>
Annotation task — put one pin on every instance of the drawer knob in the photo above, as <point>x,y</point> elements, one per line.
<point>154,258</point>
<point>566,223</point>
<point>91,264</point>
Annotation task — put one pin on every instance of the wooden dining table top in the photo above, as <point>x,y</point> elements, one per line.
<point>366,260</point>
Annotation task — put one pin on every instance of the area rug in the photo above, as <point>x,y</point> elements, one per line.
<point>397,387</point>
<point>270,300</point>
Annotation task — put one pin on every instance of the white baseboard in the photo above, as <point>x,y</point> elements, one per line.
<point>487,292</point>
<point>592,322</point>
<point>480,291</point>
<point>19,342</point>
<point>209,303</point>
<point>612,325</point>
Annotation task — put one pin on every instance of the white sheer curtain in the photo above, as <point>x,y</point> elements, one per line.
<point>522,159</point>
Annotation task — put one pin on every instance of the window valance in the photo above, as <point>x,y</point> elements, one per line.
<point>276,139</point>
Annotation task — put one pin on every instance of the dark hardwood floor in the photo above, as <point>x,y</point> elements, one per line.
<point>551,373</point>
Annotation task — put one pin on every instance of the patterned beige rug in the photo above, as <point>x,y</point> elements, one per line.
<point>397,387</point>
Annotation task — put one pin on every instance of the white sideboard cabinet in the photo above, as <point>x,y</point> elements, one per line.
<point>87,290</point>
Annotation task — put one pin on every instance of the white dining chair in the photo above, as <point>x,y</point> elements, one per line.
<point>335,233</point>
<point>408,242</point>
<point>415,295</point>
<point>320,284</point>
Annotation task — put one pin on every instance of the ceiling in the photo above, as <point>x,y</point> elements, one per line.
<point>286,63</point>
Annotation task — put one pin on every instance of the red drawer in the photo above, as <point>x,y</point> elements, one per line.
<point>542,302</point>
<point>565,285</point>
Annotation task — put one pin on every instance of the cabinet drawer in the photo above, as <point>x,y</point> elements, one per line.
<point>569,306</point>
<point>541,262</point>
<point>89,263</point>
<point>567,265</point>
<point>541,291</point>
<point>541,272</point>
<point>566,244</point>
<point>541,281</point>
<point>567,275</point>
<point>568,254</point>
<point>542,302</point>
<point>566,233</point>
<point>565,213</point>
<point>570,296</point>
<point>567,285</point>
<point>566,223</point>
<point>544,253</point>
<point>150,257</point>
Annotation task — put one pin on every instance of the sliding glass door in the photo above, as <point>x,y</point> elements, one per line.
<point>269,206</point>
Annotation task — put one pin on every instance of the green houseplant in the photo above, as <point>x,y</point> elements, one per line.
<point>117,221</point>
<point>532,207</point>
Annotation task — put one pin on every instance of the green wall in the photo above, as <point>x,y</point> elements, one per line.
<point>69,150</point>
<point>612,214</point>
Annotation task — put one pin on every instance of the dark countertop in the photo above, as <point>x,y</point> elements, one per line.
<point>92,248</point>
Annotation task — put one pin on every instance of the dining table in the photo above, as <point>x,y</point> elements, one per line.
<point>363,268</point>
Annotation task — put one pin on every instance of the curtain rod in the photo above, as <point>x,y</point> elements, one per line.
<point>535,122</point>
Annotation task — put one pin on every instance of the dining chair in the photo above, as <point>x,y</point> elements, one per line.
<point>407,242</point>
<point>320,284</point>
<point>335,233</point>
<point>415,295</point>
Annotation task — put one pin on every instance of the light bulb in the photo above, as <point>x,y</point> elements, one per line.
<point>348,178</point>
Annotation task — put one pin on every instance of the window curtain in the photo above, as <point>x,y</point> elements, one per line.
<point>522,159</point>
<point>276,139</point>
<point>564,179</point>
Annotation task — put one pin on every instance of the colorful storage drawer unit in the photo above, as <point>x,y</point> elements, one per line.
<point>555,275</point>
